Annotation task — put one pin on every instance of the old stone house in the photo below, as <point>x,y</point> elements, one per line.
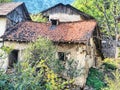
<point>76,39</point>
<point>75,34</point>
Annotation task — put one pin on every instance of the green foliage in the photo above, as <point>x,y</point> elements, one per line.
<point>38,18</point>
<point>95,79</point>
<point>108,79</point>
<point>89,7</point>
<point>4,82</point>
<point>4,51</point>
<point>42,54</point>
<point>7,49</point>
<point>38,70</point>
<point>43,49</point>
<point>27,78</point>
<point>4,1</point>
<point>109,66</point>
<point>113,83</point>
<point>105,11</point>
<point>118,52</point>
<point>111,63</point>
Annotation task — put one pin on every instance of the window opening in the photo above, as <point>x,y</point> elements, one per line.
<point>61,56</point>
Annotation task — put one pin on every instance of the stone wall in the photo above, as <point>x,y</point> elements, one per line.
<point>17,46</point>
<point>108,48</point>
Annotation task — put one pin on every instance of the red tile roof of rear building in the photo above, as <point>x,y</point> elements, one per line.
<point>78,32</point>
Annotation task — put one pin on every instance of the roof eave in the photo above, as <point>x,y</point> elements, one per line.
<point>3,15</point>
<point>65,42</point>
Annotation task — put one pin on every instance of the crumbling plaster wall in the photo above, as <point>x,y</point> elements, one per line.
<point>2,25</point>
<point>84,56</point>
<point>18,46</point>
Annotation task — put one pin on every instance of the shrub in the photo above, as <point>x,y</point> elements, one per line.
<point>114,82</point>
<point>5,83</point>
<point>43,49</point>
<point>27,78</point>
<point>35,72</point>
<point>111,63</point>
<point>95,79</point>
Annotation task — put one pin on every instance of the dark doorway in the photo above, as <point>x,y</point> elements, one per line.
<point>13,58</point>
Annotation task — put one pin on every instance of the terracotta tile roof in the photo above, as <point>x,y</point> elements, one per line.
<point>76,32</point>
<point>6,8</point>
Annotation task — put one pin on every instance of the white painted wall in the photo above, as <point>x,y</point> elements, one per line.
<point>65,17</point>
<point>2,26</point>
<point>3,60</point>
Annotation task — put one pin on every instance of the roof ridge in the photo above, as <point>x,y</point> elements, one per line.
<point>52,7</point>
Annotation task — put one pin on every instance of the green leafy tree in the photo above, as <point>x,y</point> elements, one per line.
<point>89,7</point>
<point>105,11</point>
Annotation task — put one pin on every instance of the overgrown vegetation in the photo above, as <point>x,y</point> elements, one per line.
<point>113,83</point>
<point>110,63</point>
<point>37,71</point>
<point>95,79</point>
<point>43,49</point>
<point>107,77</point>
<point>26,77</point>
<point>38,18</point>
<point>112,76</point>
